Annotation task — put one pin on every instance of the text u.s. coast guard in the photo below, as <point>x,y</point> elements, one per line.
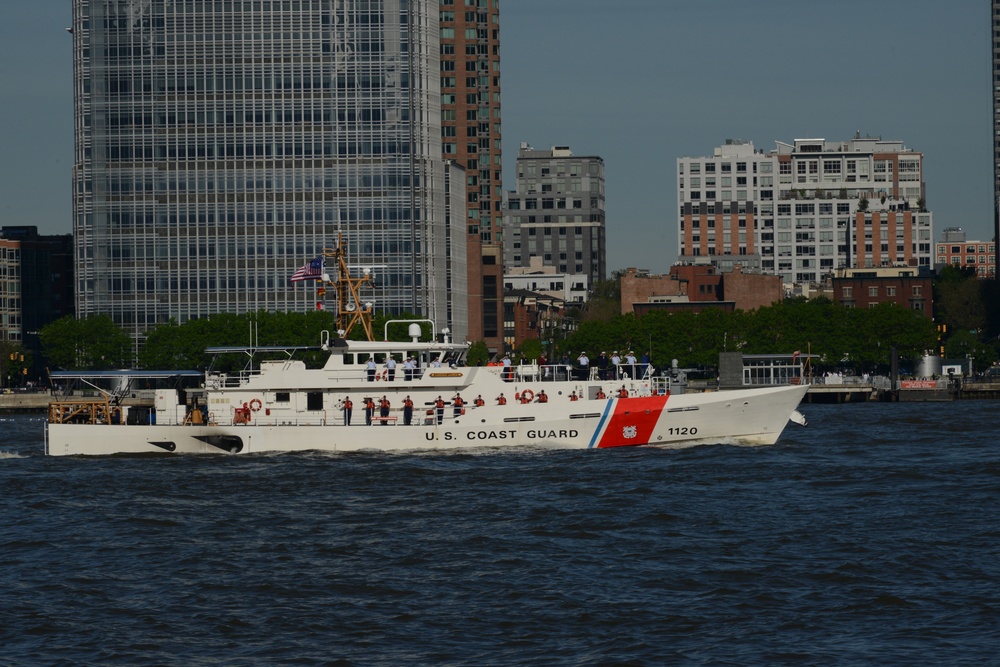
<point>503,434</point>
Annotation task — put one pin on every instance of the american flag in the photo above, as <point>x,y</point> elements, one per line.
<point>311,271</point>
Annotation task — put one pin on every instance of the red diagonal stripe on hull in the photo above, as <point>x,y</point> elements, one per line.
<point>638,413</point>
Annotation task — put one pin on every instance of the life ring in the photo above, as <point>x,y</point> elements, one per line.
<point>528,395</point>
<point>255,405</point>
<point>385,375</point>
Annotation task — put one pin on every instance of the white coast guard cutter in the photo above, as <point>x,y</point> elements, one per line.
<point>283,406</point>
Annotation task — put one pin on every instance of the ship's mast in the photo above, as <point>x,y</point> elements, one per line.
<point>351,310</point>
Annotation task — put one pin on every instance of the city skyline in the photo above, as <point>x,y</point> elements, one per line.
<point>639,84</point>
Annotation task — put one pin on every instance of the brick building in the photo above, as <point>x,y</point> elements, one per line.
<point>700,284</point>
<point>866,288</point>
<point>806,208</point>
<point>980,256</point>
<point>530,315</point>
<point>470,129</point>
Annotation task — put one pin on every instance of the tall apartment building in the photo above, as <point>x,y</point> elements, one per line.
<point>557,213</point>
<point>221,145</point>
<point>470,128</point>
<point>805,209</point>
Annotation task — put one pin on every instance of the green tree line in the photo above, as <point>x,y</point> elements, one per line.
<point>96,343</point>
<point>858,338</point>
<point>861,339</point>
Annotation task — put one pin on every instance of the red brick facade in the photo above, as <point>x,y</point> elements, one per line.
<point>470,119</point>
<point>868,288</point>
<point>977,255</point>
<point>699,283</point>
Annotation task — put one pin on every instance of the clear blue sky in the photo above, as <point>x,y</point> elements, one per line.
<point>639,83</point>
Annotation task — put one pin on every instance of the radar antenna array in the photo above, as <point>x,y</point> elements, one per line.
<point>351,308</point>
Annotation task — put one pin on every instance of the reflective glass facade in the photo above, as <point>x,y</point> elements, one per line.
<point>221,144</point>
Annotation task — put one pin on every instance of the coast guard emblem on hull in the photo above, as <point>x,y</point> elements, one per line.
<point>629,432</point>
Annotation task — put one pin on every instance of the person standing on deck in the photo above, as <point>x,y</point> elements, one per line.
<point>407,411</point>
<point>370,366</point>
<point>584,364</point>
<point>390,369</point>
<point>459,403</point>
<point>348,410</point>
<point>501,399</point>
<point>615,363</point>
<point>369,410</point>
<point>383,410</point>
<point>630,362</point>
<point>439,404</point>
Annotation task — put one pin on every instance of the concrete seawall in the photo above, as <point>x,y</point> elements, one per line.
<point>35,402</point>
<point>39,401</point>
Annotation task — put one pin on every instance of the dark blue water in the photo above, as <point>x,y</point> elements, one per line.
<point>872,536</point>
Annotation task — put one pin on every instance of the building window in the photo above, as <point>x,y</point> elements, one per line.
<point>847,292</point>
<point>873,291</point>
<point>918,291</point>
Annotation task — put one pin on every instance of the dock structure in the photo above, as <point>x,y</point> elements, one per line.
<point>840,393</point>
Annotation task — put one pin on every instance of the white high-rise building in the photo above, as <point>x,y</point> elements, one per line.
<point>805,208</point>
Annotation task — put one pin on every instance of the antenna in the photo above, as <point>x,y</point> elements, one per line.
<point>350,310</point>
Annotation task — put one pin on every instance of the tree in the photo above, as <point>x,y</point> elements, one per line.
<point>478,354</point>
<point>958,299</point>
<point>14,359</point>
<point>93,343</point>
<point>531,349</point>
<point>605,300</point>
<point>962,344</point>
<point>863,204</point>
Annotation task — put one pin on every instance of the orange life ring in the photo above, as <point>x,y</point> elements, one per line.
<point>385,375</point>
<point>528,395</point>
<point>255,405</point>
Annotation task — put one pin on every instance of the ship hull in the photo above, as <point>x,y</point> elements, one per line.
<point>748,417</point>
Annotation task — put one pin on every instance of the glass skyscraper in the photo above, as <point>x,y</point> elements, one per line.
<point>221,144</point>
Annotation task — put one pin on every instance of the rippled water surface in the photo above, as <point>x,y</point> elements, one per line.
<point>869,537</point>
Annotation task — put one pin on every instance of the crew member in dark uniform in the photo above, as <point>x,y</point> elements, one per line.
<point>407,411</point>
<point>383,410</point>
